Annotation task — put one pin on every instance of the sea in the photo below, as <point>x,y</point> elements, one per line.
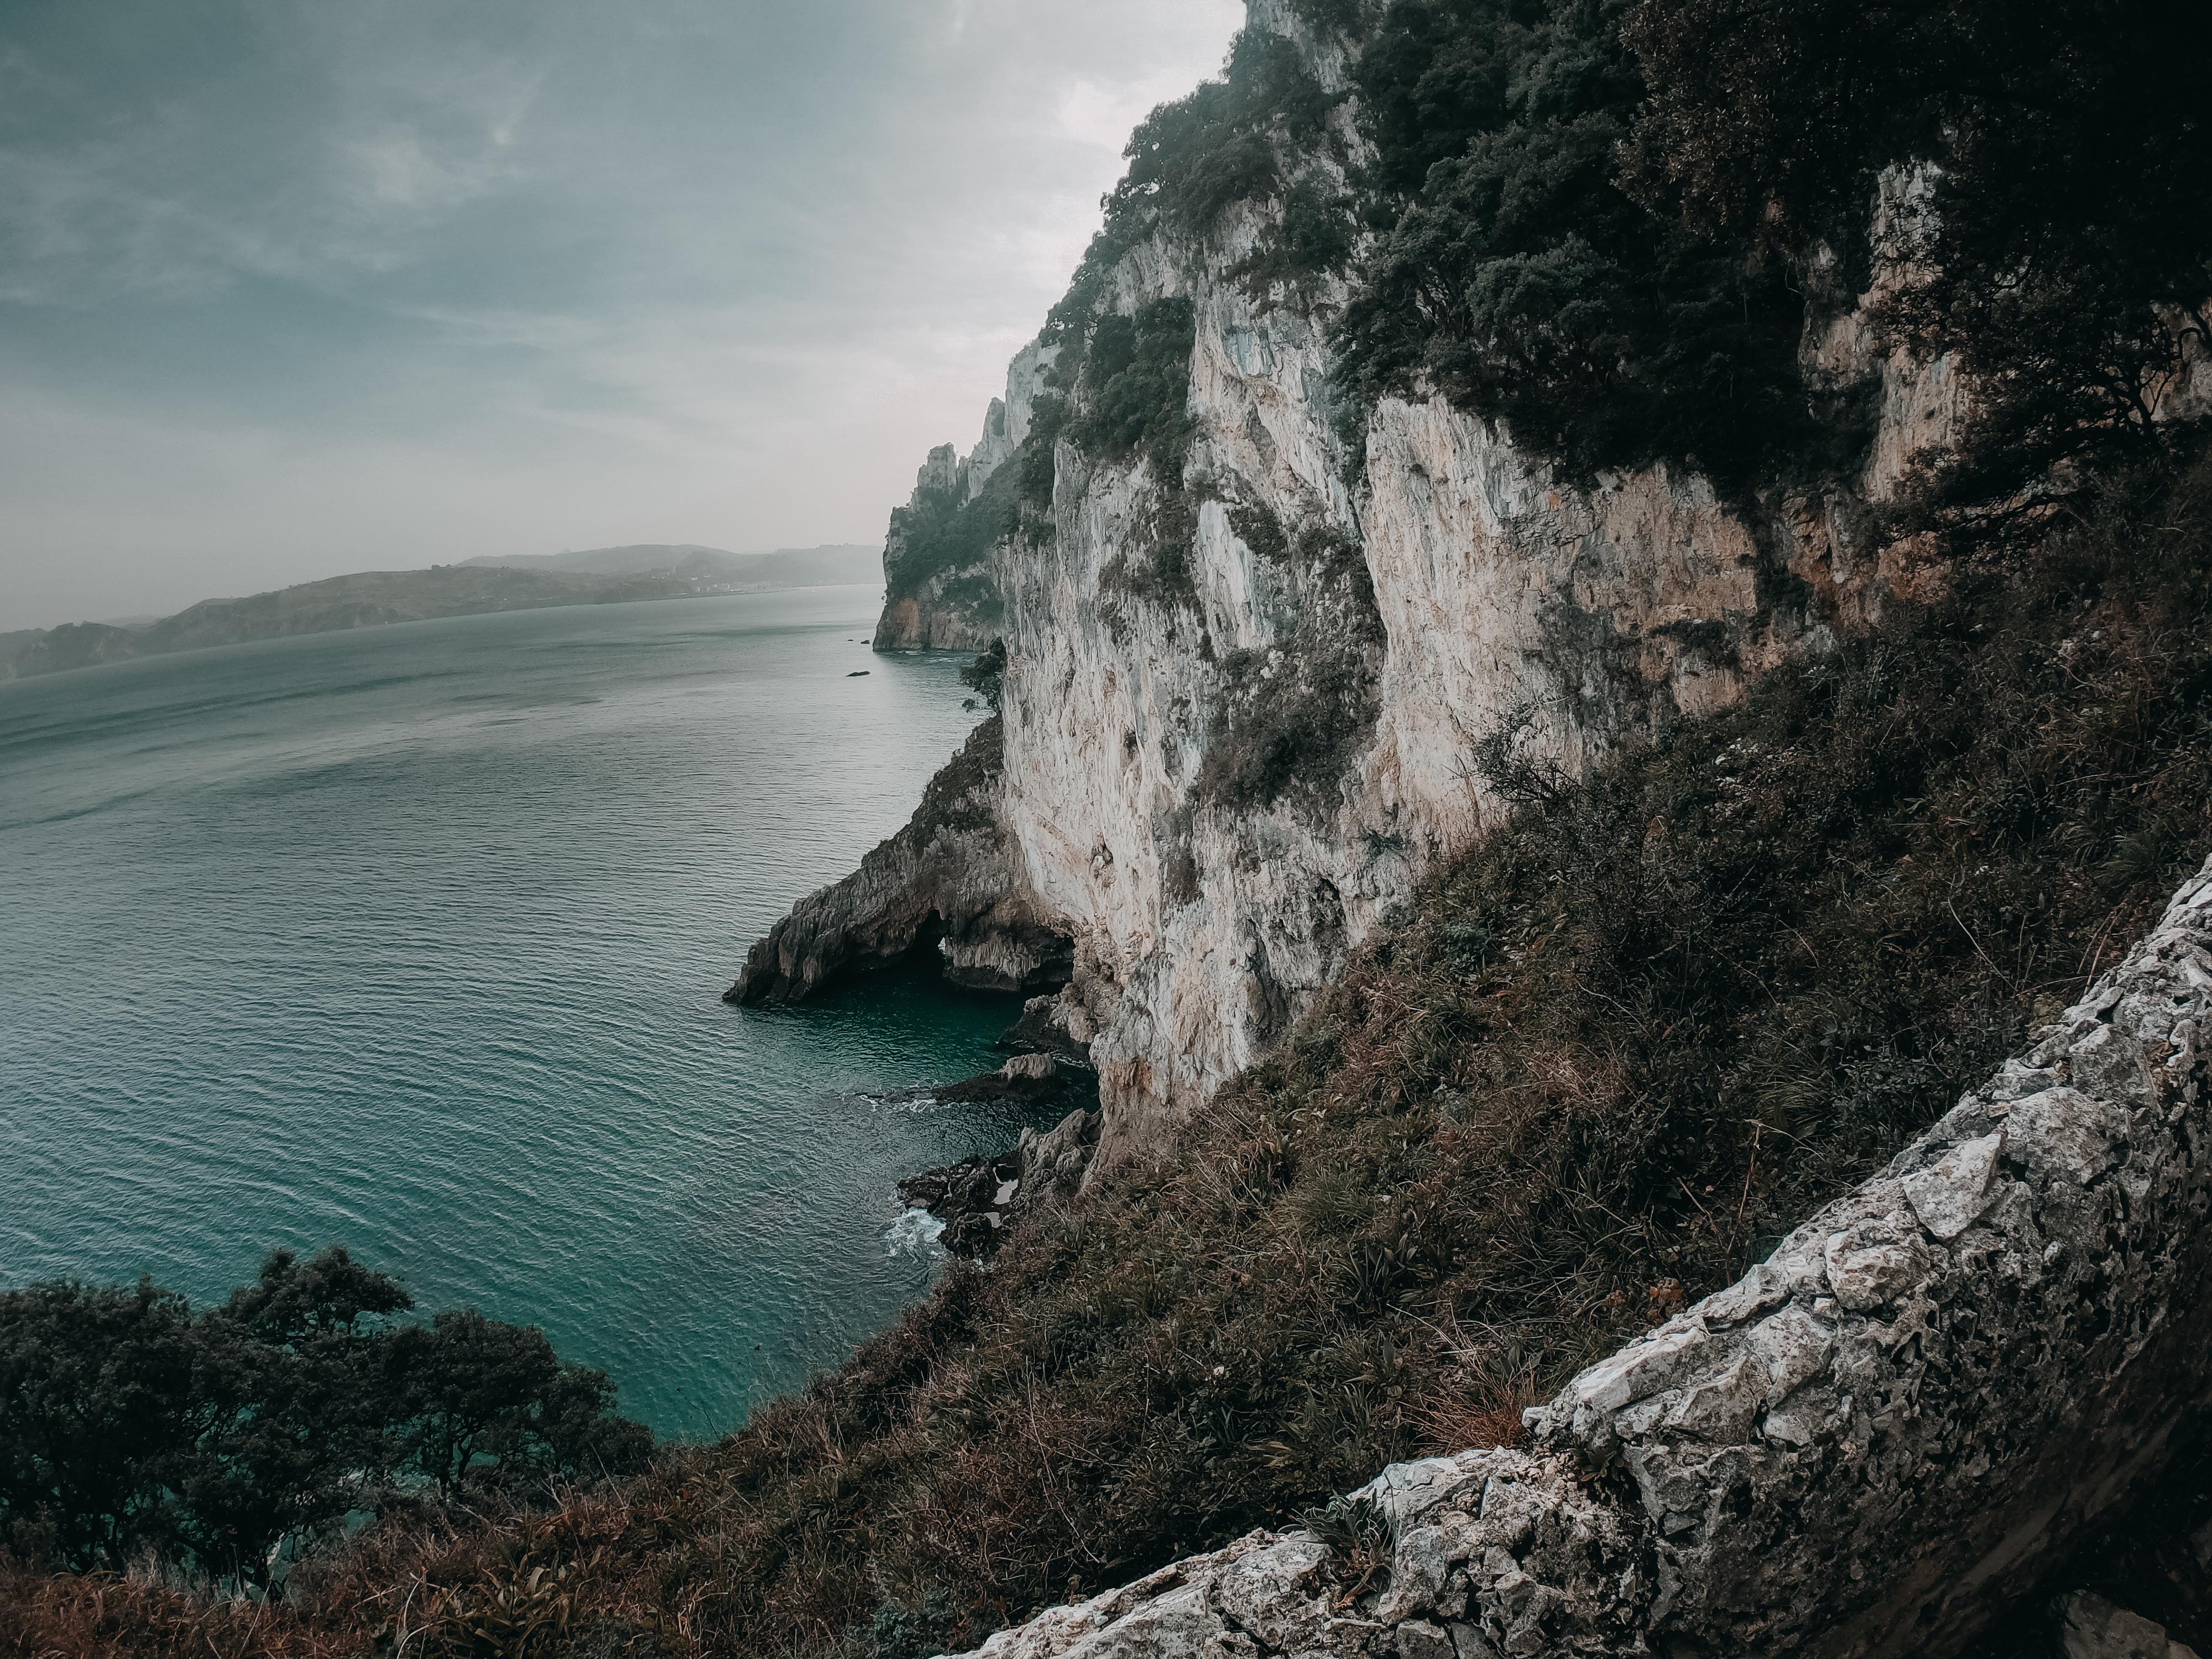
<point>413,939</point>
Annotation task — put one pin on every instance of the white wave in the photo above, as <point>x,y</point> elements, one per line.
<point>915,1232</point>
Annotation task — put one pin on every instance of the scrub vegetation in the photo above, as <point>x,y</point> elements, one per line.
<point>134,1430</point>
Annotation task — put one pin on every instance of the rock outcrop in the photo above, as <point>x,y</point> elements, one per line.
<point>1903,1424</point>
<point>939,591</point>
<point>947,881</point>
<point>978,1197</point>
<point>2090,1627</point>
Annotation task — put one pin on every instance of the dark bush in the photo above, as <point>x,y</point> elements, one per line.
<point>987,677</point>
<point>1136,385</point>
<point>1516,275</point>
<point>129,1424</point>
<point>2065,250</point>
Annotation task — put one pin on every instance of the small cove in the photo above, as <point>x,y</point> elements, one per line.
<point>413,939</point>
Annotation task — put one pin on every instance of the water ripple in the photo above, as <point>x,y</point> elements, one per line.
<point>412,938</point>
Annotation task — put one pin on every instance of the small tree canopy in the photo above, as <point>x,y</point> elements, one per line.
<point>129,1424</point>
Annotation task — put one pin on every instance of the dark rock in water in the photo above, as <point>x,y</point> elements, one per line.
<point>1025,1077</point>
<point>977,1198</point>
<point>1048,1026</point>
<point>972,1198</point>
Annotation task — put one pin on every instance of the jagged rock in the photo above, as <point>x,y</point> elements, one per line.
<point>1056,1160</point>
<point>2090,1627</point>
<point>978,1197</point>
<point>1037,1079</point>
<point>949,873</point>
<point>1058,1025</point>
<point>1880,1441</point>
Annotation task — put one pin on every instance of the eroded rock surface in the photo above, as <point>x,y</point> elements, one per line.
<point>948,877</point>
<point>1883,1439</point>
<point>2090,1627</point>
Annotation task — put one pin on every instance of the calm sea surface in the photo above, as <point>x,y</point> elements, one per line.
<point>412,939</point>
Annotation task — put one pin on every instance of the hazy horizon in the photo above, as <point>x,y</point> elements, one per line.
<point>286,294</point>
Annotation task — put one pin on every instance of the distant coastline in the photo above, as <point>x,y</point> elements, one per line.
<point>376,599</point>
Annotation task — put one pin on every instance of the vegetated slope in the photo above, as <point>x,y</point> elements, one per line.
<point>1660,1015</point>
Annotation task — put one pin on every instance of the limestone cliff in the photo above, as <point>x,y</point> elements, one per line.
<point>1250,671</point>
<point>941,593</point>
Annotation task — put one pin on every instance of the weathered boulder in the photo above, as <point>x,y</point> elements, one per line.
<point>1884,1437</point>
<point>2090,1627</point>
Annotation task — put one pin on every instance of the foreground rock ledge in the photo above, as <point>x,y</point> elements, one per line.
<point>1879,1440</point>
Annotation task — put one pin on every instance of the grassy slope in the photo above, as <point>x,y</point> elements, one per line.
<point>1657,1018</point>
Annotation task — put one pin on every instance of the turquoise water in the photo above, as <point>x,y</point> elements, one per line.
<point>414,939</point>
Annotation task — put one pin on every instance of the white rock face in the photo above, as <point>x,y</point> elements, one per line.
<point>1502,595</point>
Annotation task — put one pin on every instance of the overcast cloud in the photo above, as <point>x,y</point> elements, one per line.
<point>288,290</point>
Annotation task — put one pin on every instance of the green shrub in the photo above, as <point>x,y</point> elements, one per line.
<point>943,532</point>
<point>987,677</point>
<point>1516,276</point>
<point>1136,385</point>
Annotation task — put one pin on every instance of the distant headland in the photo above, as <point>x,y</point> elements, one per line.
<point>373,598</point>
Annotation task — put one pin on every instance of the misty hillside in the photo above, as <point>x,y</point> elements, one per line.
<point>374,598</point>
<point>798,567</point>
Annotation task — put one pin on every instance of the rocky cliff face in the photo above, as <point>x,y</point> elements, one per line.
<point>944,883</point>
<point>1957,1380</point>
<point>1251,677</point>
<point>940,592</point>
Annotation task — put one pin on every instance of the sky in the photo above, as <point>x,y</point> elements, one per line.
<point>288,290</point>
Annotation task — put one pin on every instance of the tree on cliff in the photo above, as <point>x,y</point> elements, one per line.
<point>2055,158</point>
